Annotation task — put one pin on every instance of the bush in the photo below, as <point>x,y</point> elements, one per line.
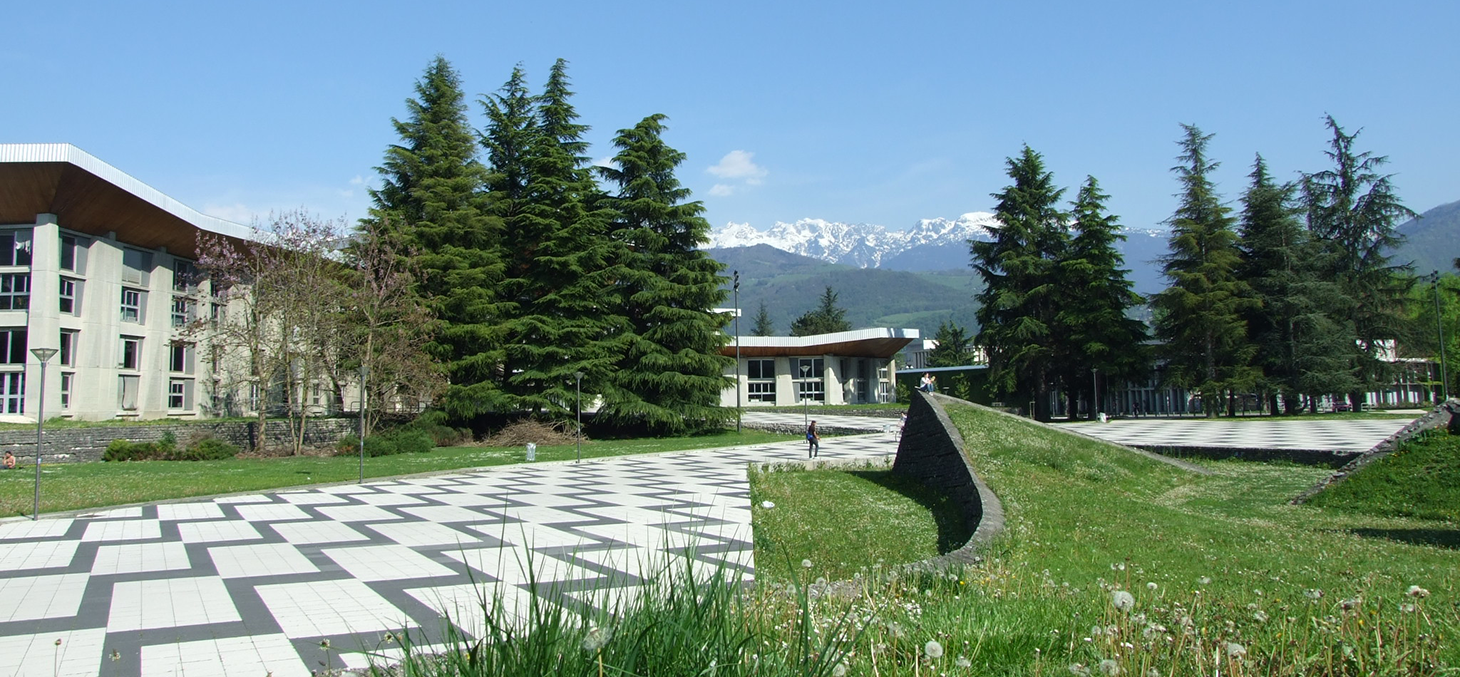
<point>200,449</point>
<point>390,443</point>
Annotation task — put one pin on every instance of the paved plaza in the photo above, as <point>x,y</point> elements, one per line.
<point>1340,435</point>
<point>251,585</point>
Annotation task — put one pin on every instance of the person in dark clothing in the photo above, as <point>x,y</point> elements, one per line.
<point>813,441</point>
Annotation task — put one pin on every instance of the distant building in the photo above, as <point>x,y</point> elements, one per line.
<point>848,367</point>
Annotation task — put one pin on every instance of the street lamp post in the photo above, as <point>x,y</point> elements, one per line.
<point>736,288</point>
<point>1440,329</point>
<point>364,374</point>
<point>44,355</point>
<point>579,407</point>
<point>805,400</point>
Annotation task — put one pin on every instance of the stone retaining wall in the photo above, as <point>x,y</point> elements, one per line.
<point>83,444</point>
<point>1444,415</point>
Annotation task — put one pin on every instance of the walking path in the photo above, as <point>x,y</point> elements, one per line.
<point>823,420</point>
<point>1342,435</point>
<point>251,585</point>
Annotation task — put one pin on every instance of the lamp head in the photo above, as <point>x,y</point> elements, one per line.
<point>44,354</point>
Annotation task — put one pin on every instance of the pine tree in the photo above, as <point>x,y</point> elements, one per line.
<point>827,317</point>
<point>1353,208</point>
<point>954,349</point>
<point>431,202</point>
<point>669,372</point>
<point>763,324</point>
<point>1093,318</point>
<point>1300,347</point>
<point>1021,292</point>
<point>1199,316</point>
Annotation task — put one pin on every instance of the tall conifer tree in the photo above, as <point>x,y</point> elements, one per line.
<point>1353,208</point>
<point>1022,293</point>
<point>669,373</point>
<point>431,201</point>
<point>763,324</point>
<point>1199,316</point>
<point>1092,317</point>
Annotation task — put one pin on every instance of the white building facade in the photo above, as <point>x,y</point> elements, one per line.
<point>850,367</point>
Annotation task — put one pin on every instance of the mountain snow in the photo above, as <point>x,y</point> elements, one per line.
<point>861,244</point>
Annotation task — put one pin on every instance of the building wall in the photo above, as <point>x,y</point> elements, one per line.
<point>870,380</point>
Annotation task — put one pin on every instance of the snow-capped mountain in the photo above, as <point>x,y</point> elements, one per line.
<point>862,245</point>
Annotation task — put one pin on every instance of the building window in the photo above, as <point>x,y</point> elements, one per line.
<point>127,392</point>
<point>762,380</point>
<point>12,392</point>
<point>180,393</point>
<point>132,305</point>
<point>15,248</point>
<point>70,296</point>
<point>73,253</point>
<point>810,384</point>
<point>180,358</point>
<point>67,380</point>
<point>184,310</point>
<point>184,276</point>
<point>68,348</point>
<point>136,266</point>
<point>14,291</point>
<point>131,353</point>
<point>12,346</point>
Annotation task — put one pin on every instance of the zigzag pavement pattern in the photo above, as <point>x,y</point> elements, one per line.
<point>252,584</point>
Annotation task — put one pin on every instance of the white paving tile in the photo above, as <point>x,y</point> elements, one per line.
<point>37,555</point>
<point>217,532</point>
<point>175,512</point>
<point>227,657</point>
<point>273,512</point>
<point>301,533</point>
<point>346,489</point>
<point>170,603</point>
<point>122,530</point>
<point>328,608</point>
<point>250,498</point>
<point>312,498</point>
<point>36,597</point>
<point>534,535</point>
<point>385,562</point>
<point>448,513</point>
<point>264,559</point>
<point>135,558</point>
<point>78,655</point>
<point>357,513</point>
<point>45,528</point>
<point>388,498</point>
<point>133,512</point>
<point>511,565</point>
<point>466,606</point>
<point>541,515</point>
<point>423,534</point>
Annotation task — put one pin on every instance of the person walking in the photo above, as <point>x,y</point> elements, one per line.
<point>813,441</point>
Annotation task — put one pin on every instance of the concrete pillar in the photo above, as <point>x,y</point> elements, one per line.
<point>43,326</point>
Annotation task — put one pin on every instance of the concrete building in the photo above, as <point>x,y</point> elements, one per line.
<point>849,367</point>
<point>101,267</point>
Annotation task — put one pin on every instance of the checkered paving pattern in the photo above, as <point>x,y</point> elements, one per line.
<point>798,420</point>
<point>1345,436</point>
<point>251,585</point>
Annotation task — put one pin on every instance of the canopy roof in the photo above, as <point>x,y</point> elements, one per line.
<point>880,342</point>
<point>93,197</point>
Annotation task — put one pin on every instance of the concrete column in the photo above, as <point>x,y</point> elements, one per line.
<point>43,326</point>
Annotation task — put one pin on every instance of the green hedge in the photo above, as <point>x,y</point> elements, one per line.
<point>166,449</point>
<point>390,443</point>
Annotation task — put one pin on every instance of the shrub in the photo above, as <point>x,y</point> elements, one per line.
<point>166,449</point>
<point>207,449</point>
<point>390,443</point>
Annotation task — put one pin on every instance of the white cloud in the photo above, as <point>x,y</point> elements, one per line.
<point>722,190</point>
<point>236,212</point>
<point>739,164</point>
<point>605,162</point>
<point>357,181</point>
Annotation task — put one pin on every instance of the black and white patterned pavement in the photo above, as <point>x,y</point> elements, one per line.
<point>1342,435</point>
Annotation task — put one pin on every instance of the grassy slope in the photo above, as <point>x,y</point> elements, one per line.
<point>1421,480</point>
<point>77,486</point>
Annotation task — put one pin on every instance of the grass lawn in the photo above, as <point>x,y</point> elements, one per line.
<point>76,486</point>
<point>1421,480</point>
<point>1220,574</point>
<point>860,516</point>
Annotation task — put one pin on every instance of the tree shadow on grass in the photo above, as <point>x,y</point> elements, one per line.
<point>953,532</point>
<point>1437,538</point>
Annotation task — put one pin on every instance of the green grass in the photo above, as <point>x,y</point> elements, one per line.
<point>840,521</point>
<point>1225,576</point>
<point>77,486</point>
<point>1421,479</point>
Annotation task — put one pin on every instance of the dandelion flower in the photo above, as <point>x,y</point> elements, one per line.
<point>58,641</point>
<point>1408,608</point>
<point>324,644</point>
<point>1151,586</point>
<point>839,670</point>
<point>1204,580</point>
<point>1153,672</point>
<point>963,662</point>
<point>1123,600</point>
<point>1313,593</point>
<point>1109,667</point>
<point>1417,592</point>
<point>1235,650</point>
<point>806,564</point>
<point>116,655</point>
<point>767,505</point>
<point>933,650</point>
<point>1079,670</point>
<point>1259,616</point>
<point>1349,603</point>
<point>595,638</point>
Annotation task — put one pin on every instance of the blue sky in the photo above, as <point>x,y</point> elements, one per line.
<point>851,111</point>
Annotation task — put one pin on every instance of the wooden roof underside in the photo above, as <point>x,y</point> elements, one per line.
<point>880,347</point>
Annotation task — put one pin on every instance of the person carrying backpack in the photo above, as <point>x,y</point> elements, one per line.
<point>813,441</point>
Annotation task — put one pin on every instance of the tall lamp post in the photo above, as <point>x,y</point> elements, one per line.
<point>805,401</point>
<point>1440,329</point>
<point>736,288</point>
<point>364,374</point>
<point>579,441</point>
<point>44,355</point>
<point>1094,393</point>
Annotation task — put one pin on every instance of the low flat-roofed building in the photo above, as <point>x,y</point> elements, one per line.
<point>847,367</point>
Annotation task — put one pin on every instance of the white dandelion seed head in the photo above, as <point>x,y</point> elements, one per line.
<point>1349,603</point>
<point>1259,616</point>
<point>839,670</point>
<point>1313,593</point>
<point>1408,608</point>
<point>1151,586</point>
<point>933,650</point>
<point>1235,650</point>
<point>1204,580</point>
<point>963,662</point>
<point>1080,670</point>
<point>1109,667</point>
<point>1122,600</point>
<point>596,638</point>
<point>767,505</point>
<point>806,564</point>
<point>1417,592</point>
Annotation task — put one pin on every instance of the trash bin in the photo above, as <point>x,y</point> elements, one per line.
<point>531,451</point>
